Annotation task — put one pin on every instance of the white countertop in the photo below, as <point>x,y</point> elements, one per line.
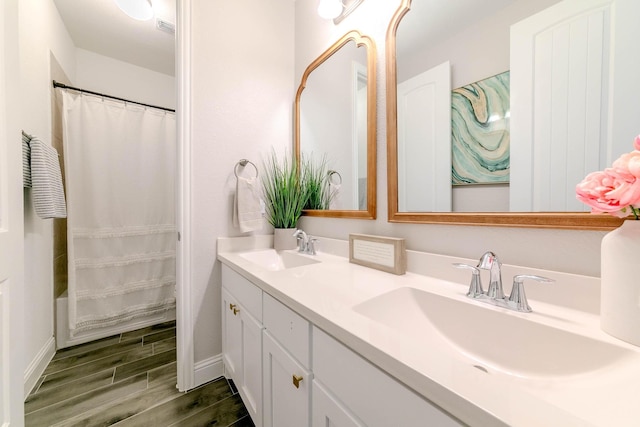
<point>325,294</point>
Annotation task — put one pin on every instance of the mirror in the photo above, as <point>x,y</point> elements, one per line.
<point>435,33</point>
<point>335,122</point>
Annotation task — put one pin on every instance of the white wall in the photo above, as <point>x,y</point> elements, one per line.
<point>12,356</point>
<point>476,52</point>
<point>329,94</point>
<point>41,33</point>
<point>113,77</point>
<point>242,98</point>
<point>562,250</point>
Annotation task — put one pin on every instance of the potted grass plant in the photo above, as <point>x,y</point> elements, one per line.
<point>284,197</point>
<point>315,180</point>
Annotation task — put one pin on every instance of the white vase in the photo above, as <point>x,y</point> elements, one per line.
<point>620,284</point>
<point>283,239</point>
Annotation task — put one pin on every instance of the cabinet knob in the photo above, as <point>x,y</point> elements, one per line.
<point>236,311</point>
<point>232,306</point>
<point>296,380</point>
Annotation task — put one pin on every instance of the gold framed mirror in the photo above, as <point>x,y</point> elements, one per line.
<point>541,219</point>
<point>341,85</point>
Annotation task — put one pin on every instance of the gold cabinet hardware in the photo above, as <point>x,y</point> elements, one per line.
<point>232,306</point>
<point>296,380</point>
<point>236,311</point>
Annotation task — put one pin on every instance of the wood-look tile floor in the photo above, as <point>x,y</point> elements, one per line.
<point>128,380</point>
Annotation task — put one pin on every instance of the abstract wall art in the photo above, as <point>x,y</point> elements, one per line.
<point>480,132</point>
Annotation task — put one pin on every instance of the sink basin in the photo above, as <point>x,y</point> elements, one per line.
<point>491,339</point>
<point>277,260</point>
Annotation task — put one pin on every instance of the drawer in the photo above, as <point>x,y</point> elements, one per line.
<point>247,294</point>
<point>288,328</point>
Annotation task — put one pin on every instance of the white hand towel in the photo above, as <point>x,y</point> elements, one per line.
<point>48,193</point>
<point>247,214</point>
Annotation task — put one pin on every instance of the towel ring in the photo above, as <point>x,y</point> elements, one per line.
<point>330,175</point>
<point>243,163</point>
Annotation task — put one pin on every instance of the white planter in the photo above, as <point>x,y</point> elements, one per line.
<point>620,283</point>
<point>283,239</point>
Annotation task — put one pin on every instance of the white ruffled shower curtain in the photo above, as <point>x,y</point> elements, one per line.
<point>120,171</point>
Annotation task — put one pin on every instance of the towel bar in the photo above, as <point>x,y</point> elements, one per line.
<point>243,163</point>
<point>330,175</point>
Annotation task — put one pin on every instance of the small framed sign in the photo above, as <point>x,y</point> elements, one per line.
<point>382,253</point>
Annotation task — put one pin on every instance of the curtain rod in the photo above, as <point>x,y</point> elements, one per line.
<point>64,86</point>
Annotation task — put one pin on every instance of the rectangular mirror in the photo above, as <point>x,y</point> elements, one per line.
<point>335,127</point>
<point>497,109</point>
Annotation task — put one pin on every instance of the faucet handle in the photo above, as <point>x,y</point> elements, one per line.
<point>518,297</point>
<point>475,287</point>
<point>311,245</point>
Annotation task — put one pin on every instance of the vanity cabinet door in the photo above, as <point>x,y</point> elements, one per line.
<point>231,337</point>
<point>326,410</point>
<point>287,387</point>
<point>242,353</point>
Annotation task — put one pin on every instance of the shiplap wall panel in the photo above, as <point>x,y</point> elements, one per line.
<point>560,62</point>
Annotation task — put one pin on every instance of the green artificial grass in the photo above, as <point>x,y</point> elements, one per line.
<point>283,192</point>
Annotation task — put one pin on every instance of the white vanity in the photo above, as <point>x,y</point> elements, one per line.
<point>315,340</point>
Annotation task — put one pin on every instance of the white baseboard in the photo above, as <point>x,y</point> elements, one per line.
<point>38,365</point>
<point>208,369</point>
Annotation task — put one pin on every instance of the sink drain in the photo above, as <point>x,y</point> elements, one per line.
<point>482,368</point>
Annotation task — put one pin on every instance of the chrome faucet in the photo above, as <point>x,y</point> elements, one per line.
<point>495,294</point>
<point>489,261</point>
<point>306,244</point>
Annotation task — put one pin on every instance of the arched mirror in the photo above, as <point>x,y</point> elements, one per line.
<point>335,127</point>
<point>497,109</point>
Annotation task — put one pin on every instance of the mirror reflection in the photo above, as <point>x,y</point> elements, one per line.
<point>505,105</point>
<point>335,125</point>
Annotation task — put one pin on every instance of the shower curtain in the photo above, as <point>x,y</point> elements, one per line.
<point>120,170</point>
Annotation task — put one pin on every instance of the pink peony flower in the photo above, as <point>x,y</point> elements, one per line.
<point>615,190</point>
<point>628,164</point>
<point>594,192</point>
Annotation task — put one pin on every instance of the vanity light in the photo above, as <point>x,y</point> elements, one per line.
<point>141,10</point>
<point>337,9</point>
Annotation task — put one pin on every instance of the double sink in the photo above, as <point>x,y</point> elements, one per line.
<point>490,338</point>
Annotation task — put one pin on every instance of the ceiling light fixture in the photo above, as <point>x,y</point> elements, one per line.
<point>141,10</point>
<point>337,9</point>
<point>329,9</point>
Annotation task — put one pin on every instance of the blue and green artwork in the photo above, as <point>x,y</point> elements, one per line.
<point>480,132</point>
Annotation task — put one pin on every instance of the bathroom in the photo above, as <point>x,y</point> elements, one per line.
<point>260,50</point>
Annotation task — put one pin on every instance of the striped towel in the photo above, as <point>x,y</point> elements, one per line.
<point>26,161</point>
<point>48,193</point>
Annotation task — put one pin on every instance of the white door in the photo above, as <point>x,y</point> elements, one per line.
<point>11,223</point>
<point>251,386</point>
<point>424,141</point>
<point>561,62</point>
<point>231,337</point>
<point>326,410</point>
<point>242,353</point>
<point>287,387</point>
<point>359,137</point>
